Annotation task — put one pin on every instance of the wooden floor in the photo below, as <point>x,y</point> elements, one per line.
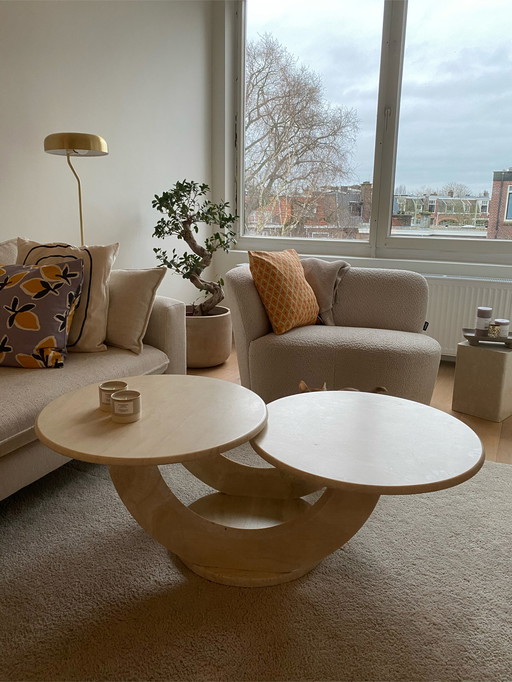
<point>496,437</point>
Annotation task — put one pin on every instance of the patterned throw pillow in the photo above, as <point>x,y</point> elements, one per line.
<point>36,310</point>
<point>89,328</point>
<point>288,298</point>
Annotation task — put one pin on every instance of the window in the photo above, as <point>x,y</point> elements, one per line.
<point>309,127</point>
<point>508,213</point>
<point>414,90</point>
<point>446,63</point>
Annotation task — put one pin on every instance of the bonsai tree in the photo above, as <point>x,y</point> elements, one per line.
<point>185,207</point>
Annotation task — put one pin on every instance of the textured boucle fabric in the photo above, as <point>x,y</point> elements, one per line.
<point>377,340</point>
<point>382,299</point>
<point>405,363</point>
<point>26,391</point>
<point>248,315</point>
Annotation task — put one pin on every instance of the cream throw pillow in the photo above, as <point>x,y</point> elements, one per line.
<point>284,291</point>
<point>131,296</point>
<point>89,326</point>
<point>8,251</point>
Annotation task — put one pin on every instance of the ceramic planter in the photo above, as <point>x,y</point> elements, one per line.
<point>209,337</point>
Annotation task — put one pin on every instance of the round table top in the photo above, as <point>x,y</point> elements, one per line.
<point>368,442</point>
<point>183,418</point>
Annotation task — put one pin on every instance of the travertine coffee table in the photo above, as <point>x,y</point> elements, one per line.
<point>259,529</point>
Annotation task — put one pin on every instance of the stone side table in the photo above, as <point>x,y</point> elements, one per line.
<point>483,381</point>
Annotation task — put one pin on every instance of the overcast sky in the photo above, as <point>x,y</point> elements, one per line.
<point>456,110</point>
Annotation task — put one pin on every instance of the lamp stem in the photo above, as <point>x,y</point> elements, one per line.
<point>82,241</point>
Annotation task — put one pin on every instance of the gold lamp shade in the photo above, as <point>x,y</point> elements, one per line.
<point>75,144</point>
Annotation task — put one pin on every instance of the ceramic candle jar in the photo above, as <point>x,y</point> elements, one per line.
<point>126,406</point>
<point>105,391</point>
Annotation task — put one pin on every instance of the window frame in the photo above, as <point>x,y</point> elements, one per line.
<point>382,246</point>
<point>507,218</point>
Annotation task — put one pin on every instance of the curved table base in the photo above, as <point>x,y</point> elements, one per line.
<point>240,578</point>
<point>245,541</point>
<point>235,478</point>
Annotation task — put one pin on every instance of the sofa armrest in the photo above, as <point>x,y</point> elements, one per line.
<point>248,314</point>
<point>166,331</point>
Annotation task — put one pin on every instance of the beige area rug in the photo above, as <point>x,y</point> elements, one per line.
<point>422,592</point>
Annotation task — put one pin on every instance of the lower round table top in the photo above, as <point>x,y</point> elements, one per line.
<point>368,442</point>
<point>183,418</point>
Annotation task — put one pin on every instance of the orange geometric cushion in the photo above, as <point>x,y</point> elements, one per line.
<point>288,299</point>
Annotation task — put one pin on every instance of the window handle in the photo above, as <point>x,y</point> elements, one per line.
<point>387,117</point>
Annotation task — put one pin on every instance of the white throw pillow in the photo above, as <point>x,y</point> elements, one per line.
<point>89,326</point>
<point>8,252</point>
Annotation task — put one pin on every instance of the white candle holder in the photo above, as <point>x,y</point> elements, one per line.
<point>105,392</point>
<point>125,406</point>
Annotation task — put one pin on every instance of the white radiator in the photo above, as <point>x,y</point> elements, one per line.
<point>453,302</point>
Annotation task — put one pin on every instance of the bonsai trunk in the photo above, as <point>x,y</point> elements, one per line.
<point>214,288</point>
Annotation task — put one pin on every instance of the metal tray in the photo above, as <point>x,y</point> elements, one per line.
<point>474,340</point>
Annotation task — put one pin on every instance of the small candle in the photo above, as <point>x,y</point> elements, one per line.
<point>504,327</point>
<point>483,318</point>
<point>126,406</point>
<point>106,389</point>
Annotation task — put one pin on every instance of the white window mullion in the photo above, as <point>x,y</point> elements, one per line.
<point>227,94</point>
<point>393,41</point>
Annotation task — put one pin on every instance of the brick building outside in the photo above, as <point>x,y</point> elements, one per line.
<point>343,212</point>
<point>500,207</point>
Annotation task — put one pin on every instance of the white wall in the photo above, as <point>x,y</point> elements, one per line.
<point>138,73</point>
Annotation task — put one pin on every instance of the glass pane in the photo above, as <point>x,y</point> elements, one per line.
<point>311,99</point>
<point>455,121</point>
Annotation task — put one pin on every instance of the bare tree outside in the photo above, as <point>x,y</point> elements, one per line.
<point>452,189</point>
<point>455,189</point>
<point>296,142</point>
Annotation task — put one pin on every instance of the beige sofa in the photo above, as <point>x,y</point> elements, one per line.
<point>376,338</point>
<point>24,392</point>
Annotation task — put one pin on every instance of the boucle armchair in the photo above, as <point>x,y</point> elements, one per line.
<point>377,338</point>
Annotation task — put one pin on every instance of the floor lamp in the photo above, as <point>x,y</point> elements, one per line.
<point>76,144</point>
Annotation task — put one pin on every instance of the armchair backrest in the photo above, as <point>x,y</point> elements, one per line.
<point>382,299</point>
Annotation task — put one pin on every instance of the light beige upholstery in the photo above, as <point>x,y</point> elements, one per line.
<point>377,339</point>
<point>130,301</point>
<point>24,392</point>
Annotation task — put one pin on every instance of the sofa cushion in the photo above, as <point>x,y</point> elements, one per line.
<point>131,297</point>
<point>26,392</point>
<point>288,298</point>
<point>36,308</point>
<point>89,327</point>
